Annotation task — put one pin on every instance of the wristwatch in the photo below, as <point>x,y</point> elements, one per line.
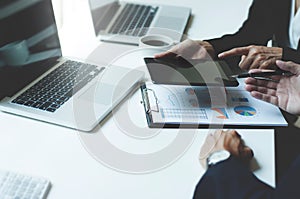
<point>217,157</point>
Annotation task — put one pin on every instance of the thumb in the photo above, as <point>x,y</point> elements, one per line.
<point>247,153</point>
<point>289,66</point>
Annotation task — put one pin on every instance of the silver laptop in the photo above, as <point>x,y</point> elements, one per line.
<point>38,83</point>
<point>124,22</point>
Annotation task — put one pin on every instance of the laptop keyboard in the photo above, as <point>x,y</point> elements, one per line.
<point>134,20</point>
<point>57,87</point>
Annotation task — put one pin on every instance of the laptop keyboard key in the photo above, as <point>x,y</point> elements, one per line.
<point>37,104</point>
<point>45,106</point>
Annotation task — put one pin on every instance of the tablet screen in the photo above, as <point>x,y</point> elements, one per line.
<point>181,72</point>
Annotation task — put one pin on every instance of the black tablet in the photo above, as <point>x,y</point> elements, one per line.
<point>178,71</point>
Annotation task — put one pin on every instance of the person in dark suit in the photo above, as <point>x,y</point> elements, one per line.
<point>226,156</point>
<point>275,20</point>
<point>267,20</point>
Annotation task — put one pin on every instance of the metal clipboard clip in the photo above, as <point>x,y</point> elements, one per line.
<point>146,92</point>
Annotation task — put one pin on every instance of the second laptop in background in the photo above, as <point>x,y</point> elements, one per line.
<point>127,22</point>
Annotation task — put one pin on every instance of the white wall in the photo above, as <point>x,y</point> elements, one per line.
<point>213,16</point>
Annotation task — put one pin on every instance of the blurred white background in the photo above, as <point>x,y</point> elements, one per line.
<point>213,19</point>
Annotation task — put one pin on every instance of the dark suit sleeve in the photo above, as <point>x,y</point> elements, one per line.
<point>291,54</point>
<point>256,30</point>
<point>267,20</point>
<point>231,179</point>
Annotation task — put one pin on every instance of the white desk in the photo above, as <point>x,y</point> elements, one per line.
<point>60,154</point>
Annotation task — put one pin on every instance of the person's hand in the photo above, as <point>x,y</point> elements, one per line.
<point>283,92</point>
<point>228,140</point>
<point>190,49</point>
<point>255,56</point>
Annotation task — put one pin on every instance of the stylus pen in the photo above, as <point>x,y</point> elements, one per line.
<point>263,74</point>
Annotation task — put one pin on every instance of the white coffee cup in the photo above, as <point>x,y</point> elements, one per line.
<point>156,41</point>
<point>15,53</point>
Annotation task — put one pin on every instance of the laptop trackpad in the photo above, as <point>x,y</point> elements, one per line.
<point>172,23</point>
<point>102,93</point>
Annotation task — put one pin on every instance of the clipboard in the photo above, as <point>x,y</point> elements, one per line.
<point>146,92</point>
<point>171,106</point>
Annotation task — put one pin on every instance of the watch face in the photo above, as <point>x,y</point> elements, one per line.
<point>217,156</point>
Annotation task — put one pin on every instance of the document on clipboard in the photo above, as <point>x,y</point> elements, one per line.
<point>173,106</point>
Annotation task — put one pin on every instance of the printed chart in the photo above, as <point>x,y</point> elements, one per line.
<point>194,105</point>
<point>245,110</point>
<point>222,114</point>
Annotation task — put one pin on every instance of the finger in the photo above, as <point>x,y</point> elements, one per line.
<point>289,66</point>
<point>165,54</point>
<point>242,58</point>
<point>207,146</point>
<point>265,97</point>
<point>249,62</point>
<point>234,133</point>
<point>256,63</point>
<point>268,64</point>
<point>233,143</point>
<point>234,52</point>
<point>210,140</point>
<point>256,70</point>
<point>262,83</point>
<point>260,89</point>
<point>218,134</point>
<point>250,87</point>
<point>246,152</point>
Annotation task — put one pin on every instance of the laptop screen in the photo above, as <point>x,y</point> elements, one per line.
<point>29,43</point>
<point>102,12</point>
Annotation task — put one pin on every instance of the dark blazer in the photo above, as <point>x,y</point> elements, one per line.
<point>231,179</point>
<point>267,20</point>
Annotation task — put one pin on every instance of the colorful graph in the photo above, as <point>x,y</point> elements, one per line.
<point>222,113</point>
<point>245,110</point>
<point>190,91</point>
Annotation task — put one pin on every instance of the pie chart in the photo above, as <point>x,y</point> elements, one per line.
<point>245,110</point>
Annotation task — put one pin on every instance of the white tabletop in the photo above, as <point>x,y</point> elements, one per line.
<point>73,161</point>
